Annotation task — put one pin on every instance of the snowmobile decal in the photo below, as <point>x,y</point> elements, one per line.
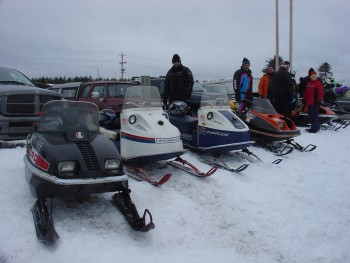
<point>79,135</point>
<point>141,139</point>
<point>168,140</point>
<point>136,138</point>
<point>38,160</point>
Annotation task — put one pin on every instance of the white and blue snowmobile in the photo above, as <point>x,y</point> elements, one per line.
<point>215,129</point>
<point>146,137</point>
<point>67,157</point>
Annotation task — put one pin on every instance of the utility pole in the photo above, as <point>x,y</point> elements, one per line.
<point>291,33</point>
<point>122,62</point>
<point>277,60</point>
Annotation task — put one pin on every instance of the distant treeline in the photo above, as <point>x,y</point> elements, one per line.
<point>44,81</point>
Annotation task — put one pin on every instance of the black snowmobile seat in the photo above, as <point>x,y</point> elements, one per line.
<point>185,124</point>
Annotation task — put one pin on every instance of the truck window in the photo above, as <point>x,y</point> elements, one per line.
<point>69,93</point>
<point>85,93</point>
<point>101,89</point>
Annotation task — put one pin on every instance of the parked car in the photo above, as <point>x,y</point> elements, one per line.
<point>20,104</point>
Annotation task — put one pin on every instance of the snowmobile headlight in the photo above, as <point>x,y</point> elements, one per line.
<point>210,115</point>
<point>280,124</point>
<point>112,164</point>
<point>66,167</point>
<point>132,119</point>
<point>165,115</point>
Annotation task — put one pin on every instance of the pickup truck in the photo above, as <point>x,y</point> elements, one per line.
<point>20,104</point>
<point>105,94</point>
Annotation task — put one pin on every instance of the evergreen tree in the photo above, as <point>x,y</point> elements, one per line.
<point>324,71</point>
<point>273,62</point>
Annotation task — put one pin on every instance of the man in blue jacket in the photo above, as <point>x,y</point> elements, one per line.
<point>243,83</point>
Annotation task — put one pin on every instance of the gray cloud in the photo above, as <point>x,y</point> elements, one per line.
<point>62,38</point>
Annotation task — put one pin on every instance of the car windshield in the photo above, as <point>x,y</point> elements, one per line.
<point>142,97</point>
<point>263,106</point>
<point>214,95</point>
<point>59,116</point>
<point>13,77</point>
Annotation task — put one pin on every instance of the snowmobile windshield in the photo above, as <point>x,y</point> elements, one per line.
<point>58,116</point>
<point>142,97</point>
<point>214,95</point>
<point>263,106</point>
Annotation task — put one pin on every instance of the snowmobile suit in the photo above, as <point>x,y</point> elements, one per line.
<point>282,88</point>
<point>242,85</point>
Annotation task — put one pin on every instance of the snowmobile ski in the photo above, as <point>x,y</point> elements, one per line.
<point>223,165</point>
<point>308,148</point>
<point>43,222</point>
<point>279,152</point>
<point>190,168</point>
<point>277,161</point>
<point>251,153</point>
<point>123,202</point>
<point>140,174</point>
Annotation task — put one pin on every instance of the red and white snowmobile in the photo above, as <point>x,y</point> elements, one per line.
<point>147,138</point>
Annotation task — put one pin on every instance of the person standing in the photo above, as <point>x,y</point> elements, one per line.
<point>242,84</point>
<point>303,82</point>
<point>313,96</point>
<point>178,83</point>
<point>282,88</point>
<point>265,82</point>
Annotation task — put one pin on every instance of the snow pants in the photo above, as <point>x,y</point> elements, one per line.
<point>313,116</point>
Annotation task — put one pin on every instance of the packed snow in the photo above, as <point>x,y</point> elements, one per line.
<point>296,211</point>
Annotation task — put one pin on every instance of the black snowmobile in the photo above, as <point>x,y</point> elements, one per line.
<point>338,103</point>
<point>67,157</point>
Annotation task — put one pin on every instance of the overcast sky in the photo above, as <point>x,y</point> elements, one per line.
<point>83,37</point>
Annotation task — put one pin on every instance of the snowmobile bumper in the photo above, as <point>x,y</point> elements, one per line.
<point>44,185</point>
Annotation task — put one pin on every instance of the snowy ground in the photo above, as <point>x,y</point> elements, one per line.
<point>297,211</point>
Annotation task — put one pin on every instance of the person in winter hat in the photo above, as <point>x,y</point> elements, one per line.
<point>303,82</point>
<point>282,90</point>
<point>265,82</point>
<point>243,84</point>
<point>178,83</point>
<point>313,96</point>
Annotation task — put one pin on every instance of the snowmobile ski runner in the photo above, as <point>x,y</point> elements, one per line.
<point>140,174</point>
<point>190,168</point>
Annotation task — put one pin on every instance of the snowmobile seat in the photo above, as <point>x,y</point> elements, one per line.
<point>185,124</point>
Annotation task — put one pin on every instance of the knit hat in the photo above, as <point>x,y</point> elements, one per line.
<point>245,61</point>
<point>311,70</point>
<point>285,63</point>
<point>176,58</point>
<point>313,73</point>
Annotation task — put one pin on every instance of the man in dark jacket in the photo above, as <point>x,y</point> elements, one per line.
<point>243,84</point>
<point>282,88</point>
<point>178,83</point>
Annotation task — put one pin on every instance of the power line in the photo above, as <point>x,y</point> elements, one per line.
<point>122,62</point>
